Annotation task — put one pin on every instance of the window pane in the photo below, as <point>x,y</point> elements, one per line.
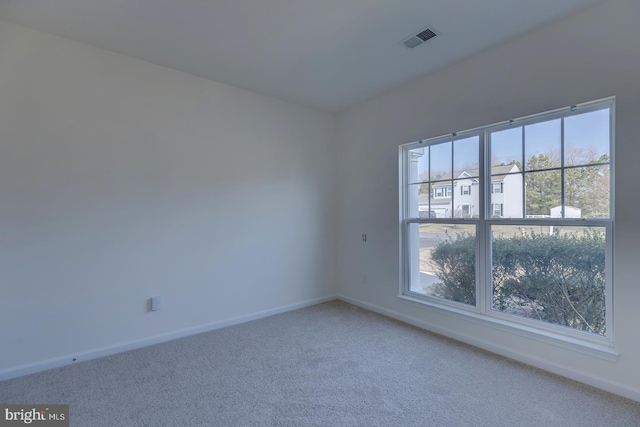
<point>506,148</point>
<point>447,261</point>
<point>542,193</point>
<point>418,165</point>
<point>542,145</point>
<point>465,154</point>
<point>586,192</point>
<point>586,138</point>
<point>441,161</point>
<point>552,274</point>
<point>441,199</point>
<point>496,210</point>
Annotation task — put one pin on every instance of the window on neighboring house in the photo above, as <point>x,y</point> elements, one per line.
<point>442,192</point>
<point>465,190</point>
<point>541,255</point>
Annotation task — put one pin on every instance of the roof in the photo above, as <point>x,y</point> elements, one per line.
<point>498,173</point>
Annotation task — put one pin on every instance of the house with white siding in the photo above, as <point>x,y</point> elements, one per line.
<point>457,195</point>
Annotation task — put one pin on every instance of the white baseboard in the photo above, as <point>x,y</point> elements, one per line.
<point>57,362</point>
<point>588,378</point>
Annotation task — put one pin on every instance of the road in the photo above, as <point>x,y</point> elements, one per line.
<point>429,240</point>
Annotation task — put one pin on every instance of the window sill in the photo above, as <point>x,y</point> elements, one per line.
<point>604,351</point>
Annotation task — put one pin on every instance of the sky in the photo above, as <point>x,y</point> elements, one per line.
<point>587,132</point>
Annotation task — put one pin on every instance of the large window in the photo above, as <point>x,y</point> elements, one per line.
<point>532,245</point>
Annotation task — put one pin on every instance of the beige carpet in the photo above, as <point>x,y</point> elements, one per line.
<point>329,365</point>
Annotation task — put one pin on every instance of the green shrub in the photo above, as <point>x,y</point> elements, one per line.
<point>557,278</point>
<point>455,266</point>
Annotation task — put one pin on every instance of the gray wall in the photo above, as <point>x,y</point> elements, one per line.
<point>588,56</point>
<point>121,180</point>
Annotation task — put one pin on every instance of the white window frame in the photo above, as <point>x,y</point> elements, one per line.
<point>465,190</point>
<point>601,346</point>
<point>499,186</point>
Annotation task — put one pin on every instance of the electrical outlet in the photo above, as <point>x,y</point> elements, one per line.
<point>364,237</point>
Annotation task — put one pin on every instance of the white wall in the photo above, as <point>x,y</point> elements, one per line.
<point>121,180</point>
<point>511,196</point>
<point>589,56</point>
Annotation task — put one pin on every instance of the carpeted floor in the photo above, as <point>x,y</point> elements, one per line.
<point>329,365</point>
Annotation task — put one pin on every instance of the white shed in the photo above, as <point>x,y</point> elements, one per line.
<point>569,212</point>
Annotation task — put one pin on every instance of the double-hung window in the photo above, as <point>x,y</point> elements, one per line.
<point>442,191</point>
<point>532,247</point>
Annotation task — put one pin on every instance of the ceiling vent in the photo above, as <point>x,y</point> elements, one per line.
<point>418,39</point>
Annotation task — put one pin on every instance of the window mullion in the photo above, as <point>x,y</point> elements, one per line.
<point>483,258</point>
<point>453,196</point>
<point>524,179</point>
<point>562,198</point>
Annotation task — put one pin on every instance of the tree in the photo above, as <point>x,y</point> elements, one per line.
<point>585,187</point>
<point>543,189</point>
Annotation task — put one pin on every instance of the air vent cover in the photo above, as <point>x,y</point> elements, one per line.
<point>418,39</point>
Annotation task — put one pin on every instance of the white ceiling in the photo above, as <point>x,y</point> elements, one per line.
<point>326,54</point>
